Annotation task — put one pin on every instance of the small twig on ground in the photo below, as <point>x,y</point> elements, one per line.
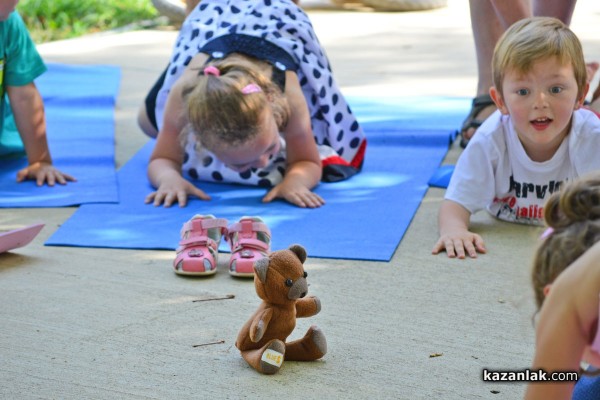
<point>208,344</point>
<point>227,297</point>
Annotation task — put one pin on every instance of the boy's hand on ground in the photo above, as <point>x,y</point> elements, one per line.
<point>43,172</point>
<point>176,192</point>
<point>296,194</point>
<point>460,244</point>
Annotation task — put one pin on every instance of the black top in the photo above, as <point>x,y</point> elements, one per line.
<point>254,47</point>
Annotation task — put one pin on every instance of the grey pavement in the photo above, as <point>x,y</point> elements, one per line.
<point>82,323</point>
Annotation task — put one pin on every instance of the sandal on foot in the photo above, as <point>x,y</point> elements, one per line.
<point>250,240</point>
<point>199,245</point>
<point>478,105</point>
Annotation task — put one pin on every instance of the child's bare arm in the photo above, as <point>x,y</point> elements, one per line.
<point>164,169</point>
<point>304,169</point>
<point>171,186</point>
<point>296,186</point>
<point>455,237</point>
<point>28,109</point>
<point>566,322</point>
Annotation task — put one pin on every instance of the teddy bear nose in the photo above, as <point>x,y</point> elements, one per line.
<point>298,290</point>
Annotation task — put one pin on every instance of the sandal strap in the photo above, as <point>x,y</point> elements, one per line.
<point>199,224</point>
<point>482,101</point>
<point>247,227</point>
<point>478,104</point>
<point>197,241</point>
<point>245,243</point>
<point>246,230</point>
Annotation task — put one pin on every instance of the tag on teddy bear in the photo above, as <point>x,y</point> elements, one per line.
<point>272,357</point>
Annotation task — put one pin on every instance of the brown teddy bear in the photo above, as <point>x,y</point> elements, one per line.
<point>280,282</point>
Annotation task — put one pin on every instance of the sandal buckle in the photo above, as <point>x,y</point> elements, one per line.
<point>246,254</point>
<point>195,253</point>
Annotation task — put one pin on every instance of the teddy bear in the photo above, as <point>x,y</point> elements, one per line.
<point>280,281</point>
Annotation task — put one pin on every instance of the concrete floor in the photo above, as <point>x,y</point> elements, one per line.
<point>105,324</point>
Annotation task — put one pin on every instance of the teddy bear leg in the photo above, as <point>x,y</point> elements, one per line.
<point>267,359</point>
<point>311,347</point>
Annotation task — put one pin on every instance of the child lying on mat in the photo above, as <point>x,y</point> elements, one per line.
<point>567,329</point>
<point>19,66</point>
<point>249,98</point>
<point>538,139</point>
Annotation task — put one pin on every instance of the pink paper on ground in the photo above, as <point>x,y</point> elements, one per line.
<point>19,237</point>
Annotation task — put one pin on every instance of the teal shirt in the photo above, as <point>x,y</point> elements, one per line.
<point>20,64</point>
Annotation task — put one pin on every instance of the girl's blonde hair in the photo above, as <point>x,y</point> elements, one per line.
<point>573,215</point>
<point>220,113</point>
<point>534,39</point>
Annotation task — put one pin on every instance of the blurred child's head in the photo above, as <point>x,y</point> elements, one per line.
<point>535,39</point>
<point>236,113</point>
<point>573,216</point>
<point>7,7</point>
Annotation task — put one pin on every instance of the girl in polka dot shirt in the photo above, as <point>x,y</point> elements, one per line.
<point>249,97</point>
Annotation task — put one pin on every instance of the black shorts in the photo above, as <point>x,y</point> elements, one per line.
<point>150,100</point>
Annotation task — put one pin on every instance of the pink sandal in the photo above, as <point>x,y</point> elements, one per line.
<point>199,245</point>
<point>250,240</point>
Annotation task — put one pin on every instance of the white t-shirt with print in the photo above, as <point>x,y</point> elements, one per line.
<point>494,171</point>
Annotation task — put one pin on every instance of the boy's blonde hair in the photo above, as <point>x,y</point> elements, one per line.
<point>220,114</point>
<point>573,214</point>
<point>534,39</point>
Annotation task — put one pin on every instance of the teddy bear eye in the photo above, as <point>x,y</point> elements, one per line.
<point>305,274</point>
<point>289,282</point>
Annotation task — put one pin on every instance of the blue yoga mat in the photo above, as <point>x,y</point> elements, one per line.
<point>364,218</point>
<point>79,103</point>
<point>441,177</point>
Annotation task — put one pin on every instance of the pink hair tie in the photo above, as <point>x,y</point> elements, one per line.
<point>212,70</point>
<point>251,88</point>
<point>547,233</point>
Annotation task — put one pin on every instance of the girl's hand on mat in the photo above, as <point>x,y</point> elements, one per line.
<point>296,194</point>
<point>44,172</point>
<point>459,243</point>
<point>175,192</point>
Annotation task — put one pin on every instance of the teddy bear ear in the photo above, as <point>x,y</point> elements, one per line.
<point>299,251</point>
<point>260,268</point>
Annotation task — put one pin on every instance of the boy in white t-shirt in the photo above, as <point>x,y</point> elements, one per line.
<point>539,138</point>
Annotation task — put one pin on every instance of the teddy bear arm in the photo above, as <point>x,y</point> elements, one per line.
<point>308,306</point>
<point>259,324</point>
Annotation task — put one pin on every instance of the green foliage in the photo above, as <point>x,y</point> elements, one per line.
<point>60,19</point>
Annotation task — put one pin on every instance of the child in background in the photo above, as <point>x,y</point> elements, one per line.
<point>539,138</point>
<point>20,64</point>
<point>567,330</point>
<point>249,98</point>
<point>489,18</point>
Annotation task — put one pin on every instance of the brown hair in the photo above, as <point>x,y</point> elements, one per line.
<point>574,216</point>
<point>219,113</point>
<point>534,39</point>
